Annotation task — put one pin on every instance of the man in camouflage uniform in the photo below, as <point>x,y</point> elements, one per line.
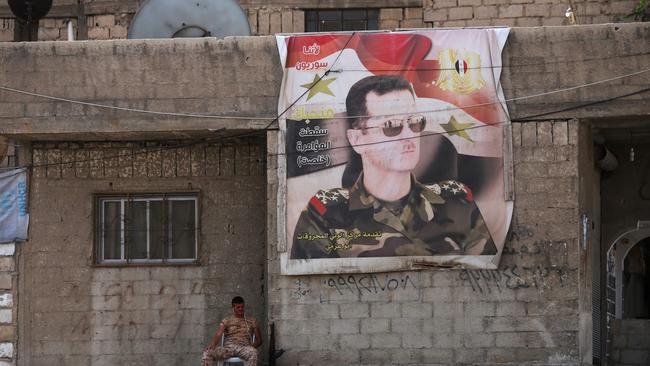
<point>387,212</point>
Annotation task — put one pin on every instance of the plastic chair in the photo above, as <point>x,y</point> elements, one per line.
<point>233,359</point>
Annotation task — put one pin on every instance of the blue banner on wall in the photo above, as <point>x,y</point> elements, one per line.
<point>14,219</point>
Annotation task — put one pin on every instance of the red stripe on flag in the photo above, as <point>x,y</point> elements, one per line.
<point>318,205</point>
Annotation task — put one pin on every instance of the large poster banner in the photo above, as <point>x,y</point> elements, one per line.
<point>394,150</point>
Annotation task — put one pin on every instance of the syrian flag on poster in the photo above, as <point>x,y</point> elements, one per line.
<point>14,219</point>
<point>455,75</point>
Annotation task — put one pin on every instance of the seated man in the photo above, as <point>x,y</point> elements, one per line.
<point>239,331</point>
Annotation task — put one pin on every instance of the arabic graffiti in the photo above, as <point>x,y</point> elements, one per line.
<point>301,289</point>
<point>316,160</point>
<point>513,278</point>
<point>370,283</point>
<point>537,248</point>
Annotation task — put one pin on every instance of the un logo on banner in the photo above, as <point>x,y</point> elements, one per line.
<point>7,201</point>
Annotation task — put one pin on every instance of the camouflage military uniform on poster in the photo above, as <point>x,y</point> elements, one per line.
<point>437,219</point>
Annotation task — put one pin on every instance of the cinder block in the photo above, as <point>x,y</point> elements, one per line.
<point>637,357</point>
<point>354,310</point>
<point>369,326</point>
<point>511,11</point>
<point>275,21</point>
<point>405,325</point>
<point>437,325</point>
<point>6,316</point>
<point>7,333</point>
<point>529,134</point>
<point>478,340</point>
<point>431,15</point>
<point>560,133</point>
<point>441,4</point>
<point>466,12</point>
<point>383,341</point>
<point>287,20</point>
<point>6,300</point>
<point>105,21</point>
<point>391,14</point>
<point>6,350</point>
<point>416,341</point>
<point>413,13</point>
<point>96,33</point>
<point>487,12</point>
<point>417,310</point>
<point>537,10</point>
<point>355,341</point>
<point>390,310</point>
<point>344,326</point>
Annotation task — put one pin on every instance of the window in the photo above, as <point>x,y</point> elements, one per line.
<point>341,20</point>
<point>137,229</point>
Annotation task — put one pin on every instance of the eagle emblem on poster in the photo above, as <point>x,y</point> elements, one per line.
<point>460,71</point>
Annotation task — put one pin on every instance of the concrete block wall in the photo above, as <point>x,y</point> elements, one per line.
<point>631,342</point>
<point>8,309</point>
<point>522,13</point>
<point>76,313</point>
<point>272,17</point>
<point>526,312</point>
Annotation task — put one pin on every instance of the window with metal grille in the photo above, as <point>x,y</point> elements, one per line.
<point>333,20</point>
<point>147,229</point>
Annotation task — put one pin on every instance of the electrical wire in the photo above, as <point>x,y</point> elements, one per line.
<point>274,119</point>
<point>192,143</point>
<point>30,166</point>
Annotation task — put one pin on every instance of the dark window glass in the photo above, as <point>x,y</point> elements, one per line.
<point>136,229</point>
<point>112,230</point>
<point>341,20</point>
<point>182,228</point>
<point>147,229</point>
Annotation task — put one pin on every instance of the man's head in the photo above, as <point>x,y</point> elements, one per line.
<point>384,126</point>
<point>238,306</point>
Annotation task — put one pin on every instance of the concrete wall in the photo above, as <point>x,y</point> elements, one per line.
<point>96,20</point>
<point>631,343</point>
<point>542,68</point>
<point>529,310</point>
<point>523,13</point>
<point>73,312</point>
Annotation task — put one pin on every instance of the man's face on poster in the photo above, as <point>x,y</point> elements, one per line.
<point>390,138</point>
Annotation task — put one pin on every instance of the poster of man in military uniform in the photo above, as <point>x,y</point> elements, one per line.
<point>393,151</point>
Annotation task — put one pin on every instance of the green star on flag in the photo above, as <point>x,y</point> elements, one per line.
<point>318,85</point>
<point>454,127</point>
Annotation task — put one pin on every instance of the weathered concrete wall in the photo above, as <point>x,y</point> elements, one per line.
<point>188,75</point>
<point>631,342</point>
<point>75,313</point>
<point>100,20</point>
<point>525,312</point>
<point>526,13</point>
<point>110,19</point>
